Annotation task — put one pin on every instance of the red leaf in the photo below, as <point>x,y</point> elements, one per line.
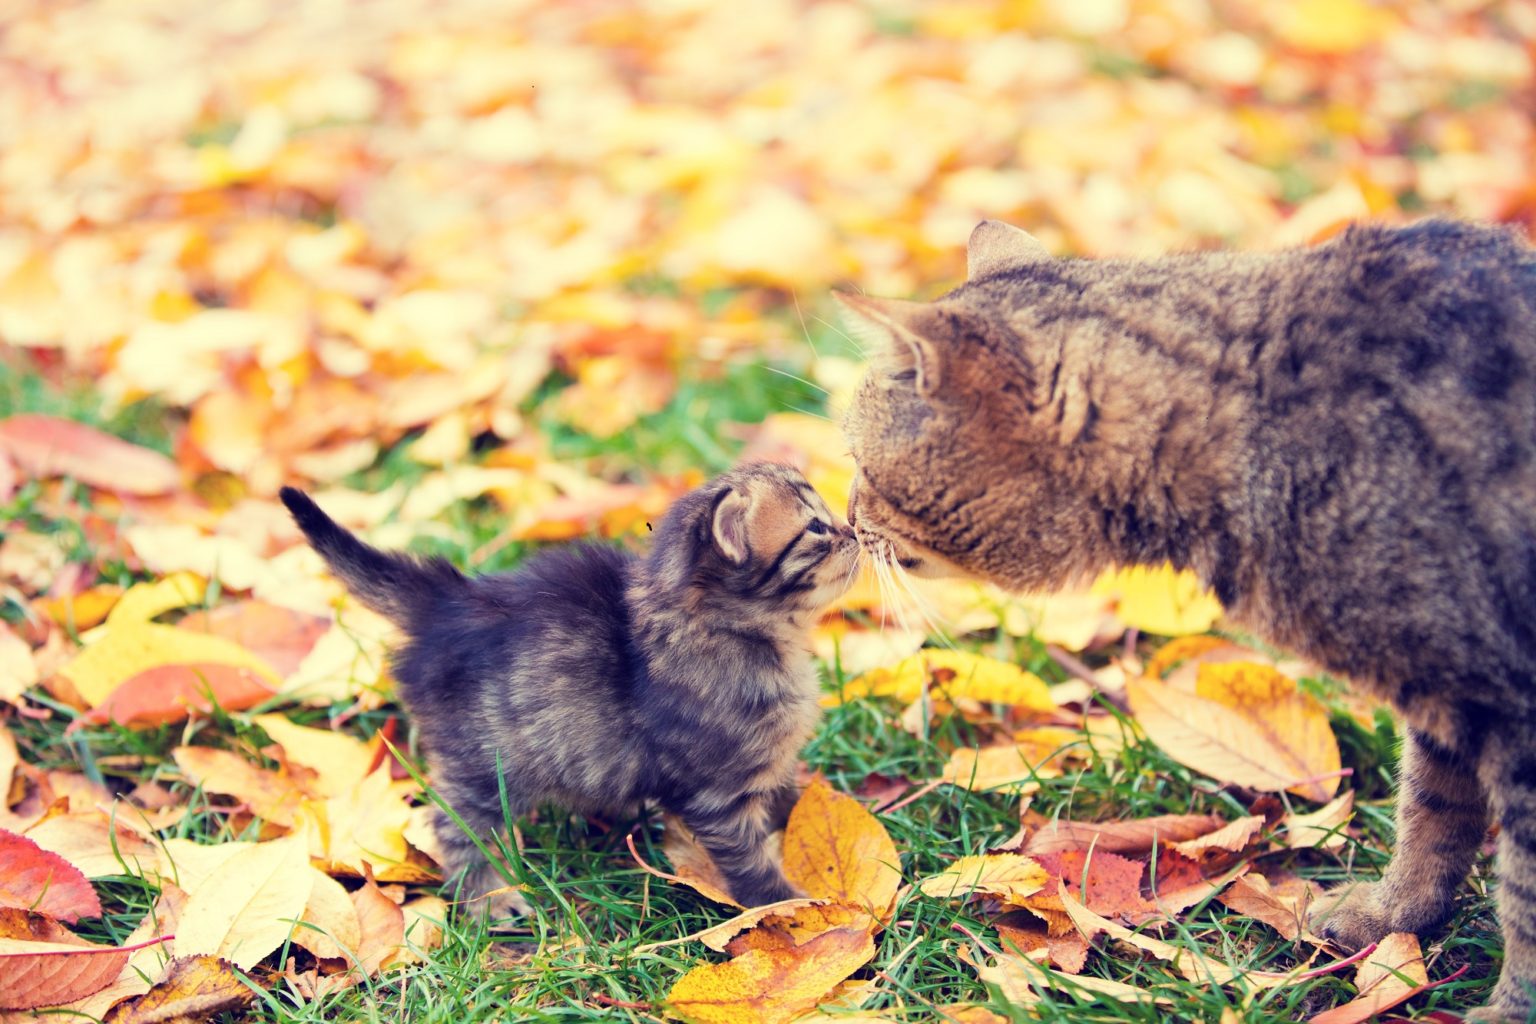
<point>280,635</point>
<point>1114,882</point>
<point>35,974</point>
<point>169,693</point>
<point>32,878</point>
<point>49,446</point>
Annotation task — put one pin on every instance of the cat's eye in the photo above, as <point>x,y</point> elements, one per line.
<point>817,527</point>
<point>904,376</point>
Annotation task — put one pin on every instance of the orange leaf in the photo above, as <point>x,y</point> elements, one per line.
<point>281,636</point>
<point>771,986</point>
<point>49,446</point>
<point>1393,974</point>
<point>835,849</point>
<point>270,795</point>
<point>1113,882</point>
<point>170,693</point>
<point>382,925</point>
<point>1252,896</point>
<point>795,926</point>
<point>32,878</point>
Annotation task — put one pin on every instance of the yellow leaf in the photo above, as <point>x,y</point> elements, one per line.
<point>1330,26</point>
<point>1393,973</point>
<point>720,936</point>
<point>144,601</point>
<point>193,988</point>
<point>954,674</point>
<point>246,908</point>
<point>996,874</point>
<point>339,761</point>
<point>335,933</point>
<point>132,647</point>
<point>1160,600</point>
<point>1268,745</point>
<point>1019,978</point>
<point>18,668</point>
<point>795,925</point>
<point>771,986</point>
<point>1323,828</point>
<point>691,863</point>
<point>1015,767</point>
<point>96,844</point>
<point>835,849</point>
<point>363,828</point>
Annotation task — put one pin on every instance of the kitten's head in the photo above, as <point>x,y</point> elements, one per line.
<point>960,423</point>
<point>759,535</point>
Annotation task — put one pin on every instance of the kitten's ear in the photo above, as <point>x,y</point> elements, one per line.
<point>895,334</point>
<point>730,526</point>
<point>996,247</point>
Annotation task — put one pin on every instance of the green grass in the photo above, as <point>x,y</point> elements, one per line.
<point>595,911</point>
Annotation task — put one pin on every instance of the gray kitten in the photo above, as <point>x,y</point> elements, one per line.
<point>598,680</point>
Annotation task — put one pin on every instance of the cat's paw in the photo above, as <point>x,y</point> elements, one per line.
<point>1512,1003</point>
<point>1357,914</point>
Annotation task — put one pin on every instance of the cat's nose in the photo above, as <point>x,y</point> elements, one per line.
<point>853,500</point>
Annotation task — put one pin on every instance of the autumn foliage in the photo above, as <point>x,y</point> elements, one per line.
<point>493,276</point>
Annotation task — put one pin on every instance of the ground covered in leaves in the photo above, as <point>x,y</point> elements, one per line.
<point>489,275</point>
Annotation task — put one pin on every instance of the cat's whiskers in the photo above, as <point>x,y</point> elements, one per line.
<point>850,339</point>
<point>796,377</point>
<point>925,611</point>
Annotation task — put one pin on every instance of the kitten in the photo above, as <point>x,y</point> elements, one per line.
<point>598,680</point>
<point>1341,441</point>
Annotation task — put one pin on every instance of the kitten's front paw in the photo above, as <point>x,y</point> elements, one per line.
<point>1511,1004</point>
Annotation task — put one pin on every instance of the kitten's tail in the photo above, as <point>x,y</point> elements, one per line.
<point>397,586</point>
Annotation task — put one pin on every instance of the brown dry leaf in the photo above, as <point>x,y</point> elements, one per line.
<point>1006,875</point>
<point>771,986</point>
<point>46,446</point>
<point>246,907</point>
<point>1271,740</point>
<point>1182,882</point>
<point>32,878</point>
<point>1123,837</point>
<point>1232,838</point>
<point>194,986</point>
<point>1323,828</point>
<point>382,925</point>
<point>1252,895</point>
<point>1113,882</point>
<point>1019,978</point>
<point>423,920</point>
<point>1068,952</point>
<point>269,795</point>
<point>835,849</point>
<point>691,862</point>
<point>1393,974</point>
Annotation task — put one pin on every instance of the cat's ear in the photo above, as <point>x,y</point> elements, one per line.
<point>730,526</point>
<point>895,334</point>
<point>996,247</point>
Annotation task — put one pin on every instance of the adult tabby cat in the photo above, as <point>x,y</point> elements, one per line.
<point>597,679</point>
<point>1341,441</point>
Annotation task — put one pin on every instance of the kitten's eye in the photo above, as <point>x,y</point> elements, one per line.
<point>904,376</point>
<point>817,527</point>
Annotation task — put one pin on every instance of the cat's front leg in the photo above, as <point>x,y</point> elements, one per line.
<point>1509,768</point>
<point>735,829</point>
<point>1442,815</point>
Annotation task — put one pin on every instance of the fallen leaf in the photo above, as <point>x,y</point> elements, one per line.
<point>1106,882</point>
<point>1067,952</point>
<point>953,674</point>
<point>1393,974</point>
<point>1320,829</point>
<point>32,878</point>
<point>246,907</point>
<point>18,669</point>
<point>145,601</point>
<point>1020,978</point>
<point>83,610</point>
<point>98,845</point>
<point>330,930</point>
<point>770,986</point>
<point>835,849</point>
<point>1252,896</point>
<point>280,636</point>
<point>37,974</point>
<point>135,647</point>
<point>1232,838</point>
<point>719,937</point>
<point>269,794</point>
<point>171,693</point>
<point>193,987</point>
<point>381,923</point>
<point>46,446</point>
<point>1159,600</point>
<point>1181,882</point>
<point>791,928</point>
<point>424,918</point>
<point>1015,768</point>
<point>1006,875</point>
<point>1134,837</point>
<point>340,762</point>
<point>1280,744</point>
<point>691,862</point>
